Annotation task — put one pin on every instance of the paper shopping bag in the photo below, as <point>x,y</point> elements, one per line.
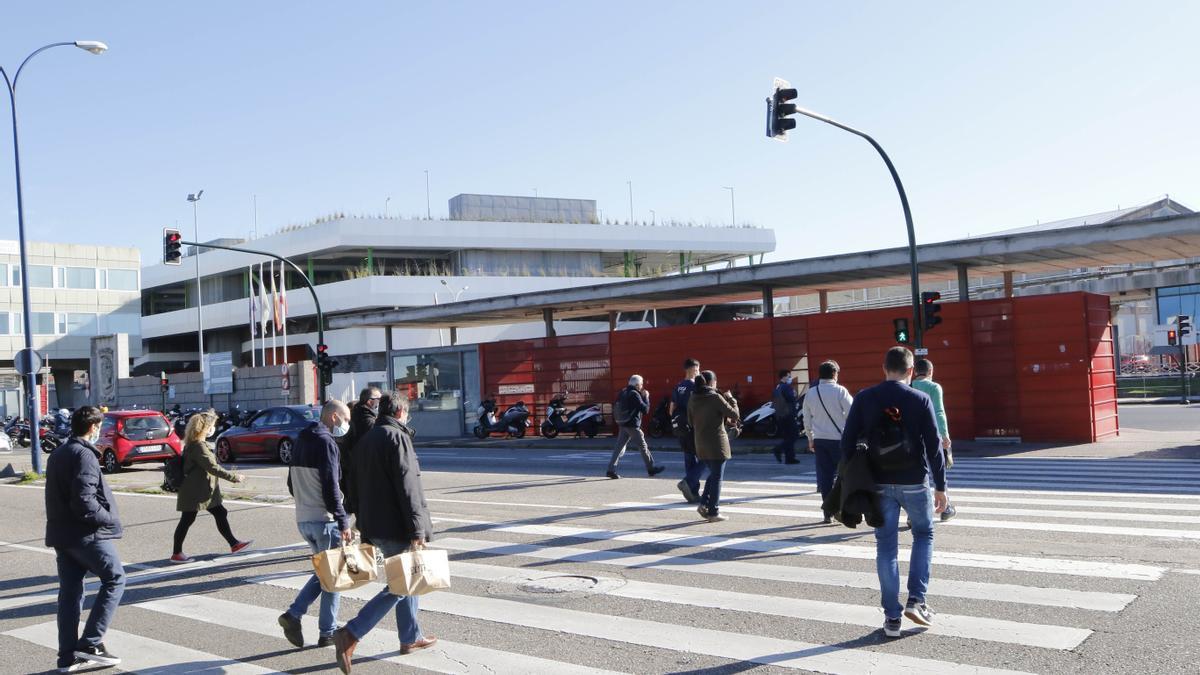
<point>345,568</point>
<point>418,572</point>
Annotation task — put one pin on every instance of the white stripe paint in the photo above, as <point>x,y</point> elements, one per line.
<point>1161,484</point>
<point>684,639</point>
<point>1039,565</point>
<point>445,657</point>
<point>533,506</point>
<point>1196,572</point>
<point>142,654</point>
<point>1147,505</point>
<point>791,573</point>
<point>1019,488</point>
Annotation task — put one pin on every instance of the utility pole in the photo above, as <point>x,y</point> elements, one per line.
<point>427,210</point>
<point>195,200</point>
<point>732,207</point>
<point>630,184</point>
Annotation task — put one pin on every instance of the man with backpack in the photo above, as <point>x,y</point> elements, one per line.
<point>692,468</point>
<point>631,404</point>
<point>784,401</point>
<point>825,408</point>
<point>894,424</point>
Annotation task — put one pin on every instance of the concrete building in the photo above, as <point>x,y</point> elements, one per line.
<point>77,291</point>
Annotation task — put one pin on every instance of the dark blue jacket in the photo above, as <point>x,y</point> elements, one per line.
<point>80,507</point>
<point>635,404</point>
<point>314,477</point>
<point>785,390</point>
<point>680,396</point>
<point>917,418</point>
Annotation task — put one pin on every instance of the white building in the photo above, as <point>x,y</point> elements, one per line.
<point>76,292</point>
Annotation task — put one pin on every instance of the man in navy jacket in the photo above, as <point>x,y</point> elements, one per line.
<point>906,487</point>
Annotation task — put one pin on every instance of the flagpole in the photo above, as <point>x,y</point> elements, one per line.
<point>283,308</point>
<point>274,327</point>
<point>253,312</point>
<point>262,325</point>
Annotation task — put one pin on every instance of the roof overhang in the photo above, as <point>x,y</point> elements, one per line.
<point>1137,241</point>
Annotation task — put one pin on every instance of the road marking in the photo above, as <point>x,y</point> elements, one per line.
<point>676,638</point>
<point>975,590</point>
<point>140,654</point>
<point>534,506</point>
<point>1000,488</point>
<point>1181,571</point>
<point>1039,565</point>
<point>972,499</point>
<point>445,657</point>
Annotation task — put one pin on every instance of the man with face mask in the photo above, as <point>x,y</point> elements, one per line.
<point>362,420</point>
<point>313,480</point>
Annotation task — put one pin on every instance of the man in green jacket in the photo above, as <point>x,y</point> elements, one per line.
<point>923,381</point>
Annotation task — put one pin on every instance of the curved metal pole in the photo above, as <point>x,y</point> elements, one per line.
<point>918,328</point>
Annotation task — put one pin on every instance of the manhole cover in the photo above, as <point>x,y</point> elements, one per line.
<point>567,583</point>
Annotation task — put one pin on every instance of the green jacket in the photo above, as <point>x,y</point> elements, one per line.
<point>201,487</point>
<point>707,411</point>
<point>934,391</point>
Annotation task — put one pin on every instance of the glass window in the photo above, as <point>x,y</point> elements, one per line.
<point>78,277</point>
<point>80,324</point>
<point>432,381</point>
<point>122,280</point>
<point>16,275</point>
<point>1175,300</point>
<point>18,324</point>
<point>4,323</point>
<point>41,276</point>
<point>4,275</point>
<point>279,417</point>
<point>121,323</point>
<point>42,323</point>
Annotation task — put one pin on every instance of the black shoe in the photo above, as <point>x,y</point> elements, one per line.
<point>612,474</point>
<point>792,461</point>
<point>78,665</point>
<point>779,458</point>
<point>828,518</point>
<point>703,511</point>
<point>655,470</point>
<point>919,613</point>
<point>688,494</point>
<point>891,628</point>
<point>325,641</point>
<point>949,513</point>
<point>99,655</point>
<point>291,629</point>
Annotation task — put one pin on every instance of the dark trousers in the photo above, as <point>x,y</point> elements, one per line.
<point>74,562</point>
<point>788,433</point>
<point>219,514</point>
<point>828,454</point>
<point>693,468</point>
<point>712,487</point>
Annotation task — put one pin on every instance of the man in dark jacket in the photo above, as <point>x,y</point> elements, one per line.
<point>81,525</point>
<point>904,486</point>
<point>321,518</point>
<point>393,513</point>
<point>786,404</point>
<point>632,403</point>
<point>362,420</point>
<point>693,469</point>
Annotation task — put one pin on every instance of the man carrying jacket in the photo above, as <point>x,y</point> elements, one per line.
<point>632,403</point>
<point>81,525</point>
<point>313,480</point>
<point>391,511</point>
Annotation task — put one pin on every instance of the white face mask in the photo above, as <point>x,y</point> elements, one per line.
<point>94,436</point>
<point>341,429</point>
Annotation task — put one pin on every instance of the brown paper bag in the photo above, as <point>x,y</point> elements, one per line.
<point>345,568</point>
<point>418,572</point>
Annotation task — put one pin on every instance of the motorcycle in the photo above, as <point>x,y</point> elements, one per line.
<point>660,423</point>
<point>513,422</point>
<point>761,421</point>
<point>586,419</point>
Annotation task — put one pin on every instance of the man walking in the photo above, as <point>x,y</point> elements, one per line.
<point>81,525</point>
<point>825,408</point>
<point>362,419</point>
<point>632,403</point>
<point>692,468</point>
<point>923,381</point>
<point>895,424</point>
<point>313,480</point>
<point>785,400</point>
<point>391,511</point>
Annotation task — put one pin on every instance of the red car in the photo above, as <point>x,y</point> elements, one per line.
<point>129,436</point>
<point>271,434</point>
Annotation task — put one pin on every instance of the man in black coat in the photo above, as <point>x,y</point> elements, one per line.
<point>362,420</point>
<point>392,512</point>
<point>81,525</point>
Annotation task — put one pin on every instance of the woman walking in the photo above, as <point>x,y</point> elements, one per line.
<point>201,487</point>
<point>708,411</point>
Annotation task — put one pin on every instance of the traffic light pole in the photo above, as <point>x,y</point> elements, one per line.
<point>918,328</point>
<point>307,282</point>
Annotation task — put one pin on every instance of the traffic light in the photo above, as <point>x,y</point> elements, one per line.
<point>1184,323</point>
<point>779,111</point>
<point>1171,340</point>
<point>900,330</point>
<point>163,382</point>
<point>172,247</point>
<point>930,308</point>
<point>325,364</point>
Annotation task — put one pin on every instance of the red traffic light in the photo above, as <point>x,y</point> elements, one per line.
<point>931,296</point>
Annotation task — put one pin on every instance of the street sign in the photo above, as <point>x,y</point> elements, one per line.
<point>27,362</point>
<point>218,373</point>
<point>921,351</point>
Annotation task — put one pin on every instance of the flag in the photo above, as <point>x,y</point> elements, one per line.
<point>281,302</point>
<point>253,302</point>
<point>264,313</point>
<point>275,303</point>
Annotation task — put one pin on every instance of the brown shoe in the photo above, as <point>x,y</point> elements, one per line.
<point>423,643</point>
<point>344,644</point>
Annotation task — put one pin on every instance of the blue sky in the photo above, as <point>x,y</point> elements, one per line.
<point>996,116</point>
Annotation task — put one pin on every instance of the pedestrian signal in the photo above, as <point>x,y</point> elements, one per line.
<point>1171,339</point>
<point>900,330</point>
<point>1184,323</point>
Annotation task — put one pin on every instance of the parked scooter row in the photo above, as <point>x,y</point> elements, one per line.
<point>513,422</point>
<point>52,432</point>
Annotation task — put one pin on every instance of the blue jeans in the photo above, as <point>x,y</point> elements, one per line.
<point>827,455</point>
<point>383,602</point>
<point>74,562</point>
<point>692,467</point>
<point>321,536</point>
<point>788,433</point>
<point>712,487</point>
<point>917,501</point>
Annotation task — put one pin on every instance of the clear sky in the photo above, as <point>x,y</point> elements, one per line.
<point>996,115</point>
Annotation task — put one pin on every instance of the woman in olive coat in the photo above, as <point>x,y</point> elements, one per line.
<point>201,487</point>
<point>708,412</point>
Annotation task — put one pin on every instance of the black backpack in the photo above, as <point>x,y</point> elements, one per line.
<point>621,413</point>
<point>888,446</point>
<point>173,474</point>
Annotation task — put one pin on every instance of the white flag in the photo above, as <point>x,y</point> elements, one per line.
<point>264,314</point>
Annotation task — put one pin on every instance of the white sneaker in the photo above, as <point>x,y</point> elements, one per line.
<point>718,518</point>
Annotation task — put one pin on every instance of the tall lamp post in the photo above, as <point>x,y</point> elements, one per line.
<point>732,207</point>
<point>94,47</point>
<point>194,200</point>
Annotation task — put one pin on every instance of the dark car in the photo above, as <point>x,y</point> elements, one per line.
<point>271,434</point>
<point>131,436</point>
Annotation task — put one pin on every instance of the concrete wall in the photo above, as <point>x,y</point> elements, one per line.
<point>254,388</point>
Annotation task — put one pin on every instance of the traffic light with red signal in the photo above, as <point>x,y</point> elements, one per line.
<point>325,364</point>
<point>1172,339</point>
<point>930,309</point>
<point>172,247</point>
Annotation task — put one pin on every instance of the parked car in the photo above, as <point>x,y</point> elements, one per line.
<point>271,434</point>
<point>133,436</point>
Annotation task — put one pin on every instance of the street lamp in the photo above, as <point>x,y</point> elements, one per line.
<point>653,217</point>
<point>194,199</point>
<point>630,184</point>
<point>94,47</point>
<point>732,207</point>
<point>457,293</point>
<point>385,206</point>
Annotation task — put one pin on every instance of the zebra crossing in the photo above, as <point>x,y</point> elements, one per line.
<point>803,600</point>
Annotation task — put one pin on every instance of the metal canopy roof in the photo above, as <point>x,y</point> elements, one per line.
<point>1115,243</point>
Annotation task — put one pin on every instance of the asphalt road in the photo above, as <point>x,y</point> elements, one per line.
<point>1161,417</point>
<point>1052,566</point>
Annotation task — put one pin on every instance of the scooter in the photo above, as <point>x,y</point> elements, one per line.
<point>513,422</point>
<point>761,421</point>
<point>660,423</point>
<point>586,419</point>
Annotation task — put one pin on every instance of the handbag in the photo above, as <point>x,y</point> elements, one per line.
<point>346,567</point>
<point>418,572</point>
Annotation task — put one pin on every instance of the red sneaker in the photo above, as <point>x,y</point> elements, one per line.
<point>240,546</point>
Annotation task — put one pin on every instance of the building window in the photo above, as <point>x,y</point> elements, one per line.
<point>80,324</point>
<point>4,319</point>
<point>121,323</point>
<point>432,381</point>
<point>17,324</point>
<point>1175,300</point>
<point>77,277</point>
<point>120,280</point>
<point>42,322</point>
<point>41,276</point>
<point>4,278</point>
<point>16,275</point>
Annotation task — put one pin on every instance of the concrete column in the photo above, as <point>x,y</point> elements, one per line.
<point>768,302</point>
<point>548,317</point>
<point>64,386</point>
<point>387,363</point>
<point>453,335</point>
<point>964,286</point>
<point>823,298</point>
<point>1008,284</point>
<point>612,321</point>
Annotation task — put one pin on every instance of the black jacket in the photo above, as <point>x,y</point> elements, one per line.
<point>362,420</point>
<point>80,508</point>
<point>391,501</point>
<point>635,404</point>
<point>853,498</point>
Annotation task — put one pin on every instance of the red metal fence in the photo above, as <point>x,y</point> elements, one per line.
<point>1037,367</point>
